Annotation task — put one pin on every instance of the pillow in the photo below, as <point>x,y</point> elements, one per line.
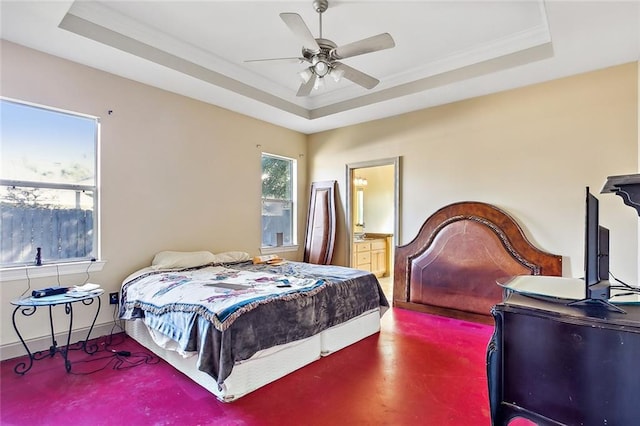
<point>181,259</point>
<point>231,257</point>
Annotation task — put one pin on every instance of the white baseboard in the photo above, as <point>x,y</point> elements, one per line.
<point>14,350</point>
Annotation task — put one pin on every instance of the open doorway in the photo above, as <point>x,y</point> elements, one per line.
<point>373,220</point>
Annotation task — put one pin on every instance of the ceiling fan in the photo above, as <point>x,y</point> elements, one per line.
<point>324,55</point>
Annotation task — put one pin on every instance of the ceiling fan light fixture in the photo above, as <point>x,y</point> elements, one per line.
<point>323,55</point>
<point>336,74</point>
<point>318,84</point>
<point>305,75</point>
<point>321,68</point>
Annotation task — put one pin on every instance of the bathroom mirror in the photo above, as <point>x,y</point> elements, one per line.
<point>359,207</point>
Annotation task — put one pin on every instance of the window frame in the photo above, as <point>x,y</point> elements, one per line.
<point>57,267</point>
<point>293,244</point>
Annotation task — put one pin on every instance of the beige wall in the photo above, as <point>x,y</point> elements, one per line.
<point>184,175</point>
<point>530,151</point>
<point>177,174</point>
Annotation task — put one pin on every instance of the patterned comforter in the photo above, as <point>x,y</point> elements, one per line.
<point>226,313</point>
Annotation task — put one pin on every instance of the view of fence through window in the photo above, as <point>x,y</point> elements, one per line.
<point>278,189</point>
<point>48,192</point>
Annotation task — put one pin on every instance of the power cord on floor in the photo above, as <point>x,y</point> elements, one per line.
<point>118,360</point>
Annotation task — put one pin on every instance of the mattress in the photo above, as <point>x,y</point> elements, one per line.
<point>228,313</point>
<point>266,365</point>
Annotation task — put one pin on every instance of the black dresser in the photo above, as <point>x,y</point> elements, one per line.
<point>564,365</point>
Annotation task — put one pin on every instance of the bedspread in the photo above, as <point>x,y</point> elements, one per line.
<point>226,313</point>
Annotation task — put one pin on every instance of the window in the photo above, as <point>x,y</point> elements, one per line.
<point>48,188</point>
<point>278,201</point>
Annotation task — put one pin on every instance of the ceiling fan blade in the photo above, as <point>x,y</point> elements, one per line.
<point>299,28</point>
<point>357,77</point>
<point>292,60</point>
<point>305,88</point>
<point>367,45</point>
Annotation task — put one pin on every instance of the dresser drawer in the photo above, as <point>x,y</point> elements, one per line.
<point>363,246</point>
<point>364,257</point>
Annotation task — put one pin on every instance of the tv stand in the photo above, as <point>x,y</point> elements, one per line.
<point>598,295</point>
<point>582,369</point>
<point>597,302</point>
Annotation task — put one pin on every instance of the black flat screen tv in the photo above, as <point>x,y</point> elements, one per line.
<point>596,244</point>
<point>596,257</point>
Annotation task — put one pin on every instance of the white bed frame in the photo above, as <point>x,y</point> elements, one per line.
<point>267,365</point>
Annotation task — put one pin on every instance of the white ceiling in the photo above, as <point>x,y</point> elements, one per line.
<point>445,50</point>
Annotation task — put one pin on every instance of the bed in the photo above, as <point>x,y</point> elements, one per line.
<point>451,267</point>
<point>233,325</point>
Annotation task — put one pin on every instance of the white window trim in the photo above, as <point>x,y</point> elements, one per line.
<point>278,249</point>
<point>294,216</point>
<point>18,272</point>
<point>50,270</point>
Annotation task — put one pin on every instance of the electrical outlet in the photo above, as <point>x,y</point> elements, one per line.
<point>113,298</point>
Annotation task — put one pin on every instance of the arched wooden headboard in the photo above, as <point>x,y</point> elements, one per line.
<point>452,265</point>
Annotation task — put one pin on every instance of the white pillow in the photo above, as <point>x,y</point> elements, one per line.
<point>231,257</point>
<point>181,259</point>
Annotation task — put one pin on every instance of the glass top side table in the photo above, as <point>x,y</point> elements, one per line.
<point>27,306</point>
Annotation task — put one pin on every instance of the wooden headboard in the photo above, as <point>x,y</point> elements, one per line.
<point>452,265</point>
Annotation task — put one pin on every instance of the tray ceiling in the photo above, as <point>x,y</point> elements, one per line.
<point>445,50</point>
